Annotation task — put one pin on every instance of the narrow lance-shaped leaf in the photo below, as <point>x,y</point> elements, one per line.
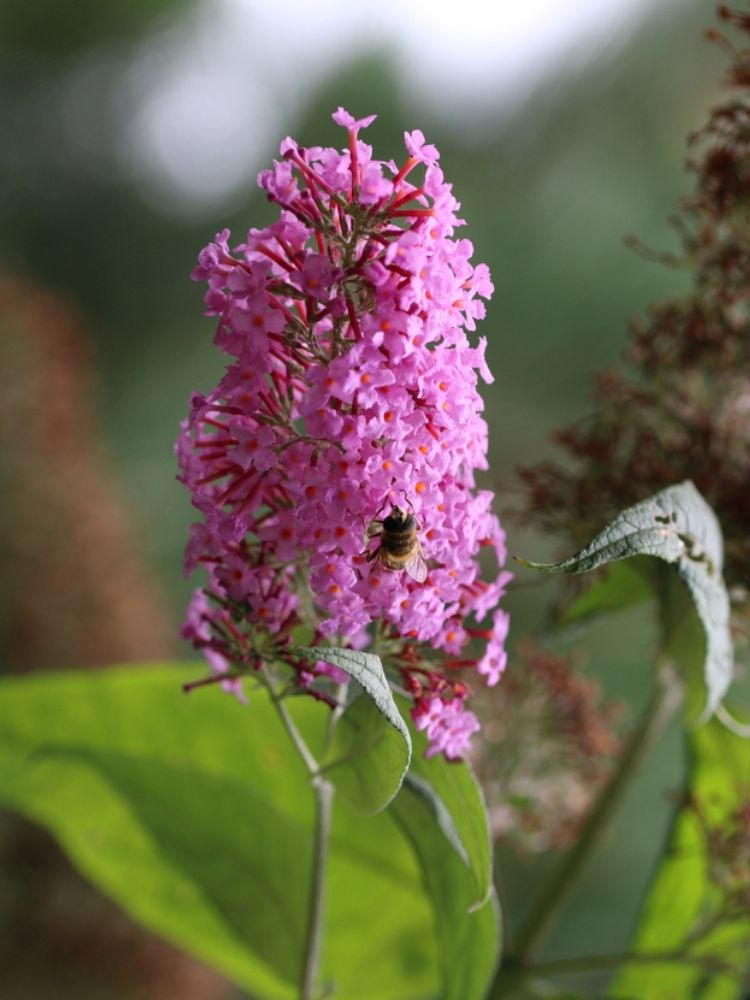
<point>678,526</point>
<point>364,760</point>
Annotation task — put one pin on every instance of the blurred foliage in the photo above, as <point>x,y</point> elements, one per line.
<point>539,791</point>
<point>698,904</point>
<point>64,30</point>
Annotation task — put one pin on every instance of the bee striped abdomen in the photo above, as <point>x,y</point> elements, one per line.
<point>400,542</point>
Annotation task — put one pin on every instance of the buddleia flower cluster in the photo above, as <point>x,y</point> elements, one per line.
<point>351,395</point>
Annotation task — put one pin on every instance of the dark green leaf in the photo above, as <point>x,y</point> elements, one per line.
<point>195,814</point>
<point>681,915</point>
<point>678,526</point>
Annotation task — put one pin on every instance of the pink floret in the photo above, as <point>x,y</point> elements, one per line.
<point>448,724</point>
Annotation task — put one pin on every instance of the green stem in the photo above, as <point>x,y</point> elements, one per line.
<point>295,735</point>
<point>336,714</point>
<point>323,790</point>
<point>316,914</point>
<point>657,712</point>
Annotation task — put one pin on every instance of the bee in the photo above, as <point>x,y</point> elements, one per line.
<point>399,546</point>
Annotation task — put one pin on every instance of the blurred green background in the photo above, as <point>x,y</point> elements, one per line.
<point>550,181</point>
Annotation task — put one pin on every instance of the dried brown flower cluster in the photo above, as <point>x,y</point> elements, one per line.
<point>550,741</point>
<point>682,410</point>
<point>74,592</point>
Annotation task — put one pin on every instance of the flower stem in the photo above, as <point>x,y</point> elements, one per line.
<point>316,914</point>
<point>657,712</point>
<point>323,790</point>
<point>295,735</point>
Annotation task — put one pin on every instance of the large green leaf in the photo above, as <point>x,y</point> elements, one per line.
<point>441,808</point>
<point>468,936</point>
<point>456,802</point>
<point>684,898</point>
<point>678,526</point>
<point>195,814</point>
<point>372,763</point>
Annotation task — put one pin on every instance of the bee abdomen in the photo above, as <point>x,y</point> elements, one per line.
<point>399,544</point>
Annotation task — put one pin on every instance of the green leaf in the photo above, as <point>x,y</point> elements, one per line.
<point>684,896</point>
<point>442,816</point>
<point>456,802</point>
<point>194,813</point>
<point>367,757</point>
<point>678,526</point>
<point>468,936</point>
<point>624,585</point>
<point>367,670</point>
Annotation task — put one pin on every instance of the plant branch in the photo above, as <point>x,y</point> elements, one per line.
<point>336,714</point>
<point>316,914</point>
<point>295,735</point>
<point>660,707</point>
<point>324,791</point>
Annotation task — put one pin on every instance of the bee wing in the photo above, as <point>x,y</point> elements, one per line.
<point>375,559</point>
<point>416,567</point>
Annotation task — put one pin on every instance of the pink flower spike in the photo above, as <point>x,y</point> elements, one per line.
<point>352,389</point>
